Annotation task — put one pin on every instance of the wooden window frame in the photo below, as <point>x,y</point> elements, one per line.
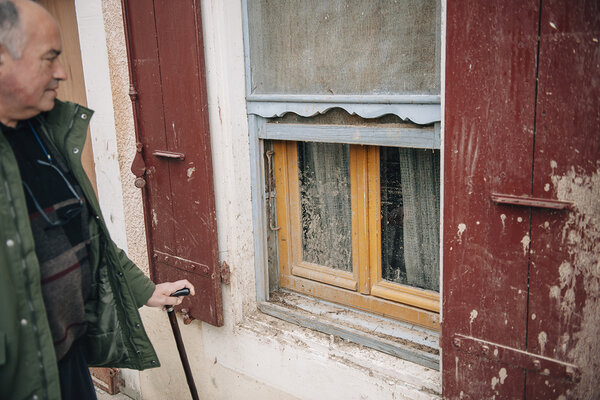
<point>364,288</point>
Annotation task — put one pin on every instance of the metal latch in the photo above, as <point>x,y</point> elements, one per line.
<point>169,154</point>
<point>528,201</point>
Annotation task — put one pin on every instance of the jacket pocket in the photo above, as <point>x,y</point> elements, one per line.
<point>2,348</point>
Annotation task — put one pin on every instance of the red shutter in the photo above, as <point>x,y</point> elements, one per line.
<point>564,298</point>
<point>166,56</point>
<point>504,335</point>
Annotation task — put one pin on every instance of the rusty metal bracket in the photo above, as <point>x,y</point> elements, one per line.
<point>270,188</point>
<point>138,166</point>
<point>107,379</point>
<point>515,357</point>
<point>528,201</point>
<point>185,315</point>
<point>225,273</point>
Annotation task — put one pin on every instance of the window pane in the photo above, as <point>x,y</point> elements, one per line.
<point>392,216</point>
<point>410,200</point>
<point>324,173</point>
<point>345,46</point>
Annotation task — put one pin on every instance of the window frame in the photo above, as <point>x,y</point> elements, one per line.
<point>364,288</point>
<point>420,109</point>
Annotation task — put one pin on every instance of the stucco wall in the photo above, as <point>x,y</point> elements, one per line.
<point>253,356</point>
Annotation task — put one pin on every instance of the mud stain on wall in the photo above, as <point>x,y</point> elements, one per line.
<point>581,236</point>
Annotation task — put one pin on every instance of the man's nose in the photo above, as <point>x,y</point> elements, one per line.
<point>60,74</point>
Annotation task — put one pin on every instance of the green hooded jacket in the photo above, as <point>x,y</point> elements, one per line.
<point>115,335</point>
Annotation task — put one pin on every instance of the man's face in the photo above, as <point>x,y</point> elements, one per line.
<point>28,84</point>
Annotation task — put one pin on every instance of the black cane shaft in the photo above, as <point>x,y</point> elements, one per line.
<point>183,354</point>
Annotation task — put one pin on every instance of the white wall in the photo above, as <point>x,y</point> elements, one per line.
<point>253,356</point>
<point>94,57</point>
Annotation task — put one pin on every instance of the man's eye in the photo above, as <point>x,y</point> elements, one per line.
<point>51,58</point>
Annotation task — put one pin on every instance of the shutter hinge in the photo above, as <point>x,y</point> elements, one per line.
<point>225,273</point>
<point>138,166</point>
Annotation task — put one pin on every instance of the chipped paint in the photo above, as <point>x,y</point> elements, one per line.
<point>581,236</point>
<point>473,315</point>
<point>547,187</point>
<point>533,317</point>
<point>461,229</point>
<point>555,293</point>
<point>503,219</point>
<point>456,369</point>
<point>542,340</point>
<point>494,382</point>
<point>564,342</point>
<point>502,374</point>
<point>154,217</point>
<point>565,272</point>
<point>190,172</point>
<point>525,242</point>
<point>519,219</point>
<point>553,25</point>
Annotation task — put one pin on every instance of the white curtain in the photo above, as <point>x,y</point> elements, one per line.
<point>324,170</point>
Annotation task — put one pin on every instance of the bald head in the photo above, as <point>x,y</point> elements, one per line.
<point>30,72</point>
<point>11,35</point>
<point>14,15</point>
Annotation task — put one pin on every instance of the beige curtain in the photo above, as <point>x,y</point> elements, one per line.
<point>420,174</point>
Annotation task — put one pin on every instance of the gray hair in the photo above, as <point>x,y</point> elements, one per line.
<point>12,37</point>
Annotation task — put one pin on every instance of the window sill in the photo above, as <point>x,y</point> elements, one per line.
<point>405,341</point>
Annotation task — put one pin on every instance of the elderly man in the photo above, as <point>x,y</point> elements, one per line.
<point>68,296</point>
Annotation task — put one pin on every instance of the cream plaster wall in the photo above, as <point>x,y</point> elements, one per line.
<point>102,125</point>
<point>253,356</point>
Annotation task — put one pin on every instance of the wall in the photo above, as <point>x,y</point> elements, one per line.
<point>102,126</point>
<point>253,356</point>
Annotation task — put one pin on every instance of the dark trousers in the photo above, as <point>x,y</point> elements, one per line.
<point>75,380</point>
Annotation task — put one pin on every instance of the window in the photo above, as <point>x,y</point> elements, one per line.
<point>359,225</point>
<point>344,109</point>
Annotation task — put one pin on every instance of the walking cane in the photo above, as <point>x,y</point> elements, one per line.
<point>179,341</point>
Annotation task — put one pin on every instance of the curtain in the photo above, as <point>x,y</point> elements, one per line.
<point>420,175</point>
<point>325,203</point>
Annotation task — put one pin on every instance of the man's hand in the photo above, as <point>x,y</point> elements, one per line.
<point>162,293</point>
